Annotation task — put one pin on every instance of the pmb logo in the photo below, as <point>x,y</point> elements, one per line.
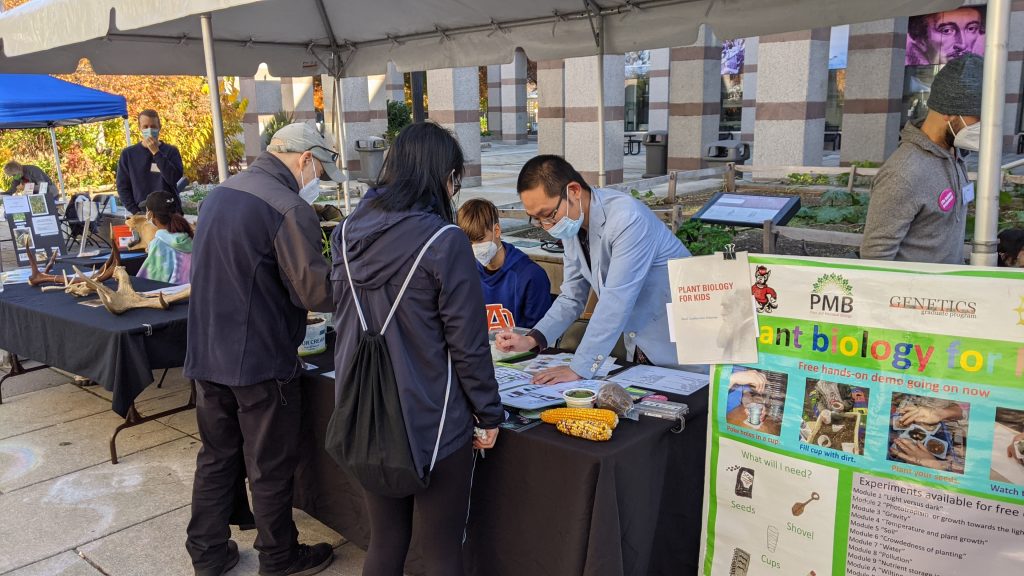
<point>832,294</point>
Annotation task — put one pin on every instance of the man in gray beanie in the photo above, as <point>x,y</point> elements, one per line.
<point>918,207</point>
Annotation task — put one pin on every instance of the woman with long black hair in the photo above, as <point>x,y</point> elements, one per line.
<point>399,244</point>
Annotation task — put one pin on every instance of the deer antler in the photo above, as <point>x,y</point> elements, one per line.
<point>37,277</point>
<point>125,298</point>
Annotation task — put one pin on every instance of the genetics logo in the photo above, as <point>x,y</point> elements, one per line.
<point>832,295</point>
<point>1020,312</point>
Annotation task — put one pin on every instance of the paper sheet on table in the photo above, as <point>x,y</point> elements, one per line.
<point>18,276</point>
<point>169,291</point>
<point>45,226</point>
<point>16,205</point>
<point>547,361</point>
<point>536,396</point>
<point>511,378</point>
<point>661,379</point>
<point>712,315</point>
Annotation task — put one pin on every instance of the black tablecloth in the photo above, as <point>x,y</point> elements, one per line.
<point>131,264</point>
<point>544,503</point>
<point>117,352</point>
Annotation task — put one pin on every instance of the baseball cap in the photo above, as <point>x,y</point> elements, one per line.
<point>301,137</point>
<point>159,202</point>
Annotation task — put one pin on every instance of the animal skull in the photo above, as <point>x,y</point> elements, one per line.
<point>143,228</point>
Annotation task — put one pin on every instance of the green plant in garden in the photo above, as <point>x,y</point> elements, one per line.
<point>399,116</point>
<point>844,179</point>
<point>808,179</point>
<point>279,120</point>
<point>838,206</point>
<point>703,239</point>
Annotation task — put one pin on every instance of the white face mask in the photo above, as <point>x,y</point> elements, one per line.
<point>968,138</point>
<point>485,252</point>
<point>310,191</point>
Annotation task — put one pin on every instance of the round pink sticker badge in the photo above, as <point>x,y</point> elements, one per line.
<point>947,200</point>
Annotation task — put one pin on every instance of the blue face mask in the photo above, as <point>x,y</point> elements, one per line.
<point>150,133</point>
<point>566,227</point>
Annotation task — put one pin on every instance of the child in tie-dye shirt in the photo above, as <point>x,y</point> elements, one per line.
<point>170,251</point>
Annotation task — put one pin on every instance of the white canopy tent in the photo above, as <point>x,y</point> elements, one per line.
<point>357,38</point>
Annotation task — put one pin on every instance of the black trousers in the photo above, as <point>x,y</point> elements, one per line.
<point>245,429</point>
<point>440,526</point>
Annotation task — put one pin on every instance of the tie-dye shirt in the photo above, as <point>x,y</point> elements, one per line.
<point>169,259</point>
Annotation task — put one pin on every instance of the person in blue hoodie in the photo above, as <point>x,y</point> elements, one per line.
<point>517,291</point>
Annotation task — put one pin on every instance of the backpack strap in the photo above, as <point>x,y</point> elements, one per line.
<point>408,278</point>
<point>348,272</point>
<point>444,413</point>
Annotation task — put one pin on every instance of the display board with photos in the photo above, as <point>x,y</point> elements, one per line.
<point>34,221</point>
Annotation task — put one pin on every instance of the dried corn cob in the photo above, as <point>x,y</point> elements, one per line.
<point>586,429</point>
<point>594,414</point>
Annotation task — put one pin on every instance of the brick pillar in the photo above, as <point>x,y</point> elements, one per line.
<point>376,85</point>
<point>513,100</point>
<point>791,94</point>
<point>551,107</point>
<point>581,141</point>
<point>695,101</point>
<point>455,104</point>
<point>657,118</point>
<point>874,90</point>
<point>494,100</point>
<point>1014,70</point>
<point>394,88</point>
<point>749,90</point>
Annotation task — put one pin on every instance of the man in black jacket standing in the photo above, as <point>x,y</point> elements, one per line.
<point>257,268</point>
<point>148,166</point>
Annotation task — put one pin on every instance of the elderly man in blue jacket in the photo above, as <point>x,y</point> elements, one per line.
<point>614,245</point>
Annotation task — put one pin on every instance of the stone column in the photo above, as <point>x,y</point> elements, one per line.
<point>749,90</point>
<point>581,141</point>
<point>791,94</point>
<point>551,107</point>
<point>355,117</point>
<point>494,100</point>
<point>513,100</point>
<point>455,104</point>
<point>1014,70</point>
<point>695,101</point>
<point>376,85</point>
<point>657,118</point>
<point>297,98</point>
<point>394,89</point>
<point>874,90</point>
<point>251,136</point>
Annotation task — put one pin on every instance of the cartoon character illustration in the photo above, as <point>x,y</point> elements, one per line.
<point>764,295</point>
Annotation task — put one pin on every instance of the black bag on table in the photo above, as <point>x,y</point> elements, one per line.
<point>366,435</point>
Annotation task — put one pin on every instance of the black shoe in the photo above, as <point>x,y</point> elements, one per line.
<point>310,560</point>
<point>229,562</point>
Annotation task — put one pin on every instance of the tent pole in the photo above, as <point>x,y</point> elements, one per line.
<point>56,162</point>
<point>127,132</point>
<point>339,141</point>
<point>211,80</point>
<point>601,175</point>
<point>986,223</point>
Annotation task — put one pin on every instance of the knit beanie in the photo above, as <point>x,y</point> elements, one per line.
<point>956,90</point>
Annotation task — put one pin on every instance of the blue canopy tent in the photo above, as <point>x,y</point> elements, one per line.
<point>40,101</point>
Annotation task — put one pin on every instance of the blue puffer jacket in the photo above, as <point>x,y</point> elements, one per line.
<point>440,313</point>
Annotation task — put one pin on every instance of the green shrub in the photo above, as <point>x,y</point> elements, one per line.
<point>703,239</point>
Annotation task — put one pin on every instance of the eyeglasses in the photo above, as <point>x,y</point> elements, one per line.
<point>548,221</point>
<point>332,153</point>
<point>456,183</point>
